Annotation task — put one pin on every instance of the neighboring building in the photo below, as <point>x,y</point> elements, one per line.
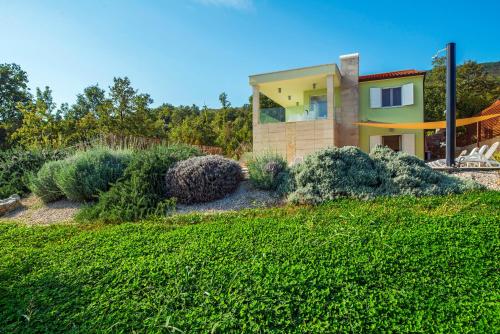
<point>319,106</point>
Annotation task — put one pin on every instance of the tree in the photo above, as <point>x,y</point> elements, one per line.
<point>224,100</point>
<point>13,90</point>
<point>41,124</point>
<point>89,102</point>
<point>122,97</point>
<point>476,89</point>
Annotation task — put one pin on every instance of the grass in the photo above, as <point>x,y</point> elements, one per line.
<point>400,264</point>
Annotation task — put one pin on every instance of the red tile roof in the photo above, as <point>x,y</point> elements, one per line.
<point>390,75</point>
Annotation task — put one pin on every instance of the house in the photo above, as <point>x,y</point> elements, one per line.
<point>315,107</point>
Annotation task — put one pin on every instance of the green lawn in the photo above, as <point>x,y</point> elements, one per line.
<point>401,265</point>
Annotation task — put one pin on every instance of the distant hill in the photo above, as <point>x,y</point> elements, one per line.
<point>493,68</point>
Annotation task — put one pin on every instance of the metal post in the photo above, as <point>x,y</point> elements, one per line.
<point>478,134</point>
<point>451,90</point>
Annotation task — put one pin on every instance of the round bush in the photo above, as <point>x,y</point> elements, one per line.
<point>348,172</point>
<point>203,179</point>
<point>88,173</point>
<point>17,165</point>
<point>43,183</point>
<point>333,173</point>
<point>405,174</point>
<point>267,171</point>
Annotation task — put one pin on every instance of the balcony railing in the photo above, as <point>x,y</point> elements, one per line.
<point>293,114</point>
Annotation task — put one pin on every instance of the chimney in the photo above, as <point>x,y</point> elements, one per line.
<point>347,134</point>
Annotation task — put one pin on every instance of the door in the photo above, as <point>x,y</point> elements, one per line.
<point>393,142</point>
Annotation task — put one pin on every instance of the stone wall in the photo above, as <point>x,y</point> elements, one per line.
<point>293,140</point>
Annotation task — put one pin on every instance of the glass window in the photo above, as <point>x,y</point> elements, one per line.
<point>386,97</point>
<point>396,96</point>
<point>318,107</point>
<point>391,97</point>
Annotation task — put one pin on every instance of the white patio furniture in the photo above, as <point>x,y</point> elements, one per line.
<point>479,159</point>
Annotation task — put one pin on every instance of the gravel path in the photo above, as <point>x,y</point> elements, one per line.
<point>244,197</point>
<point>34,212</point>
<point>490,179</point>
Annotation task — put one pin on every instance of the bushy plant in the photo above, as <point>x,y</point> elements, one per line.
<point>333,173</point>
<point>141,192</point>
<point>405,174</point>
<point>203,179</point>
<point>17,164</point>
<point>87,173</point>
<point>349,172</point>
<point>43,183</point>
<point>267,171</point>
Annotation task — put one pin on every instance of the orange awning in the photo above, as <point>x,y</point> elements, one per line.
<point>427,125</point>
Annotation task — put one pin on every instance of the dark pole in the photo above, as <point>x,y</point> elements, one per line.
<point>451,92</point>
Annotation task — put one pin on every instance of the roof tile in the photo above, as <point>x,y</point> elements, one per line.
<point>390,75</point>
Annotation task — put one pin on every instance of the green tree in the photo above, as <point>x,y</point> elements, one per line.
<point>476,89</point>
<point>41,125</point>
<point>13,91</point>
<point>224,101</point>
<point>122,96</point>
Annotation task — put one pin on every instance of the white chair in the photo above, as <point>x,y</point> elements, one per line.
<point>474,150</point>
<point>442,162</point>
<point>478,159</point>
<point>482,149</point>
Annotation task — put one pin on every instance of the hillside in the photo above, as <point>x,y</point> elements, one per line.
<point>493,68</point>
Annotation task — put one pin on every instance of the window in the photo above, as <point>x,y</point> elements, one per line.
<point>393,142</point>
<point>318,106</point>
<point>391,97</point>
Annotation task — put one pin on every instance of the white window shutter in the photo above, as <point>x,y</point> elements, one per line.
<point>375,98</point>
<point>375,141</point>
<point>407,94</point>
<point>408,143</point>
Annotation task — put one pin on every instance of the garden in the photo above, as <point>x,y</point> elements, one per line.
<point>126,184</point>
<point>354,242</point>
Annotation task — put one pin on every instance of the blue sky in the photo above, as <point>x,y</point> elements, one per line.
<point>188,51</point>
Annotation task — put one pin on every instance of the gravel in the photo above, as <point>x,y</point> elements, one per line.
<point>490,179</point>
<point>34,212</point>
<point>246,196</point>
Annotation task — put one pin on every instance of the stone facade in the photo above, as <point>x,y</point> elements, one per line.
<point>348,132</point>
<point>295,140</point>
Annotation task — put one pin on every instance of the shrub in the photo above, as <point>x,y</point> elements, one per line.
<point>405,174</point>
<point>349,172</point>
<point>43,183</point>
<point>141,191</point>
<point>333,173</point>
<point>17,164</point>
<point>203,179</point>
<point>267,171</point>
<point>89,172</point>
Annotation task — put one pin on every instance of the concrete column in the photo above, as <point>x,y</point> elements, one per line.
<point>255,116</point>
<point>330,96</point>
<point>255,105</point>
<point>330,104</point>
<point>347,134</point>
